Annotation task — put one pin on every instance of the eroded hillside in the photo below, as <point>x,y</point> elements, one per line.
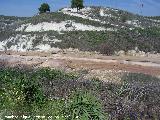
<point>104,30</point>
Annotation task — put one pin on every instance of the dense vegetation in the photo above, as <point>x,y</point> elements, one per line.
<point>26,93</point>
<point>146,40</point>
<point>61,96</point>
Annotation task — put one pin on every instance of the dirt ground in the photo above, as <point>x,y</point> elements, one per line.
<point>96,64</point>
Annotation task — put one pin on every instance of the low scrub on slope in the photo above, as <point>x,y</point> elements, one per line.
<point>59,17</point>
<point>122,31</point>
<point>146,40</point>
<point>105,42</point>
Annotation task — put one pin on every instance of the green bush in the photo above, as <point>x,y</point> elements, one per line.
<point>44,8</point>
<point>106,49</point>
<point>84,106</point>
<point>52,93</point>
<point>22,93</point>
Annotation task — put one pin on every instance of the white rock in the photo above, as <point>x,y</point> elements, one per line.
<point>83,13</point>
<point>42,47</point>
<point>120,53</point>
<point>131,53</point>
<point>25,43</point>
<point>46,26</point>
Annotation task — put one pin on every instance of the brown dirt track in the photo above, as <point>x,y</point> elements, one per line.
<point>79,61</point>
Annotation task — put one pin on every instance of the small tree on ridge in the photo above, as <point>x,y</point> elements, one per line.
<point>44,8</point>
<point>77,4</point>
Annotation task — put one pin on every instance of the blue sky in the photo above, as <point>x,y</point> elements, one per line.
<point>30,7</point>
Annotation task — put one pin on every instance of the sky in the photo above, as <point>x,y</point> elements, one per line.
<point>30,7</point>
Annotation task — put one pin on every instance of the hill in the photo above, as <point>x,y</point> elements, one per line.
<point>105,30</point>
<point>62,82</point>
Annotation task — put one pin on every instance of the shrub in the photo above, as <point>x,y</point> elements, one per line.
<point>20,92</point>
<point>123,19</point>
<point>106,49</point>
<point>24,92</point>
<point>142,93</point>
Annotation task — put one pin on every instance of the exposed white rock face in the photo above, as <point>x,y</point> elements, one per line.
<point>135,52</point>
<point>17,43</point>
<point>120,53</point>
<point>43,47</point>
<point>83,13</point>
<point>102,13</point>
<point>25,43</point>
<point>136,23</point>
<point>62,26</point>
<point>132,53</point>
<point>74,10</point>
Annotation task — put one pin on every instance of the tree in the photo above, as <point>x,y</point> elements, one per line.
<point>44,8</point>
<point>73,4</point>
<point>77,4</point>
